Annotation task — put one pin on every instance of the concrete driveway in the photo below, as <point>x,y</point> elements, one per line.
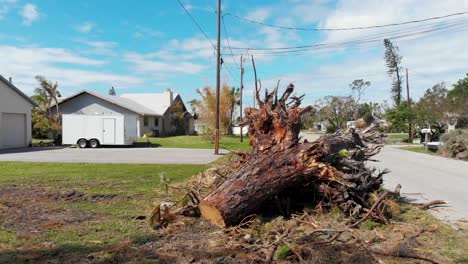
<point>425,177</point>
<point>112,155</point>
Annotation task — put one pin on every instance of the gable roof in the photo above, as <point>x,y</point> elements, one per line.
<point>116,100</point>
<point>157,102</point>
<point>18,91</point>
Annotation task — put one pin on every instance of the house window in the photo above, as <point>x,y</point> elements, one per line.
<point>156,121</point>
<point>145,121</point>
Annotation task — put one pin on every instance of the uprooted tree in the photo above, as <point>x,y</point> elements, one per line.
<point>280,172</point>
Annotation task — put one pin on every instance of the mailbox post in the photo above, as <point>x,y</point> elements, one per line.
<point>426,132</point>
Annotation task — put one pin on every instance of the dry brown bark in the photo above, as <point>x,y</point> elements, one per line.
<point>330,171</point>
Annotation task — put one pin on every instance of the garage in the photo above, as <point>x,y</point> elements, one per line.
<point>15,116</point>
<point>14,130</point>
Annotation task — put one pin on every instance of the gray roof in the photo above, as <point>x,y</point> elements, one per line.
<point>157,102</point>
<point>119,101</point>
<point>18,91</point>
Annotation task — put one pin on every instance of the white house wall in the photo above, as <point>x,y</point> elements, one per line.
<point>11,102</point>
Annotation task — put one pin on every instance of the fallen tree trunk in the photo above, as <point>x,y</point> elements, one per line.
<point>332,168</point>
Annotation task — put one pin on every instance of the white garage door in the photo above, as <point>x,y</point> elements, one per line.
<point>13,130</point>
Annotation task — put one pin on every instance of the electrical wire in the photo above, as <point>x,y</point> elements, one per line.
<point>349,28</point>
<point>196,23</point>
<point>229,44</point>
<point>404,34</point>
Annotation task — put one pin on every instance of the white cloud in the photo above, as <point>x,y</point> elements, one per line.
<point>30,14</point>
<point>5,6</point>
<point>144,63</point>
<point>144,32</point>
<point>190,56</point>
<point>86,27</point>
<point>260,14</point>
<point>356,13</point>
<point>98,47</point>
<point>310,11</point>
<point>23,63</point>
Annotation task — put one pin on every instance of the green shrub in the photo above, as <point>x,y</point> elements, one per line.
<point>209,134</point>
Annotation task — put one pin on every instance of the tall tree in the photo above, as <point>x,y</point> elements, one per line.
<point>206,106</point>
<point>337,110</point>
<point>358,86</point>
<point>393,63</point>
<point>51,90</point>
<point>458,97</point>
<point>112,91</point>
<point>431,110</point>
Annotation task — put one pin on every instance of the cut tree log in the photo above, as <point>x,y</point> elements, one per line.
<point>332,168</point>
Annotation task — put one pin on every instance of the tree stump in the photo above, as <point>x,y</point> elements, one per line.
<point>333,166</point>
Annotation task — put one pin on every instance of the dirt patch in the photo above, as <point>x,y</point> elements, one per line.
<point>29,211</point>
<point>187,241</point>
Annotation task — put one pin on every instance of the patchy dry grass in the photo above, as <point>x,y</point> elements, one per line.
<point>418,149</point>
<point>64,212</point>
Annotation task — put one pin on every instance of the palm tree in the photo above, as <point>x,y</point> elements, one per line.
<point>50,90</point>
<point>43,100</point>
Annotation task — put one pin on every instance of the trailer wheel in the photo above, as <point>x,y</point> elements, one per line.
<point>82,143</point>
<point>94,143</point>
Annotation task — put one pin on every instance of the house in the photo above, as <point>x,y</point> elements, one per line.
<point>156,114</point>
<point>15,116</point>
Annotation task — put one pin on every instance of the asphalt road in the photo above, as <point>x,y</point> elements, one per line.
<point>425,177</point>
<point>112,155</point>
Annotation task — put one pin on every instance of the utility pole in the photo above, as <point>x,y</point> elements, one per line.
<point>241,88</point>
<point>218,80</point>
<point>410,135</point>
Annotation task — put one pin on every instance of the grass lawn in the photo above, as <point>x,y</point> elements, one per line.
<point>93,213</point>
<point>397,135</point>
<point>60,211</point>
<point>227,142</point>
<point>419,149</point>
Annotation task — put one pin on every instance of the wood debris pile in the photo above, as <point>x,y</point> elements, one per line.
<point>283,174</point>
<point>301,182</point>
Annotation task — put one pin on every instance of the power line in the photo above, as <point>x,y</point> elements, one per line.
<point>405,33</point>
<point>229,70</point>
<point>346,29</point>
<point>196,23</point>
<point>362,45</point>
<point>229,44</point>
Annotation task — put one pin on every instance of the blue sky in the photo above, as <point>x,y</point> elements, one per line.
<point>148,46</point>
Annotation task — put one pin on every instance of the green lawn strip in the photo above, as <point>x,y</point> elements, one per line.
<point>227,142</point>
<point>398,136</point>
<point>418,149</point>
<point>95,177</point>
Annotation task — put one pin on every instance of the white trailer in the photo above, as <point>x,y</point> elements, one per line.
<point>95,130</point>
